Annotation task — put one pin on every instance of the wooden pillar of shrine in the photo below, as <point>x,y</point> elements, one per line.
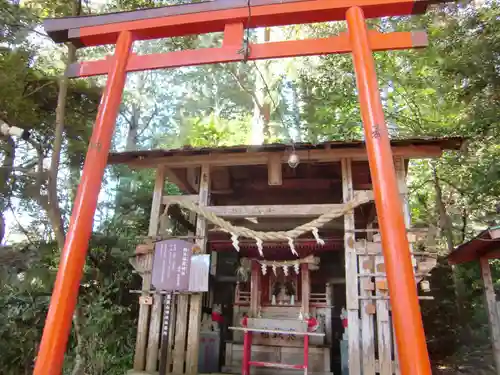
<point>493,317</point>
<point>143,322</point>
<point>193,337</point>
<point>351,272</point>
<point>306,288</point>
<point>255,291</point>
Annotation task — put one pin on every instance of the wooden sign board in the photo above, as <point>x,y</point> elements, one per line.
<point>278,324</point>
<point>171,265</point>
<point>175,268</point>
<point>278,339</point>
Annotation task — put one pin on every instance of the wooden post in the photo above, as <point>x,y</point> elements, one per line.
<point>180,334</point>
<point>306,289</point>
<point>383,322</point>
<point>399,166</point>
<point>142,322</point>
<point>255,289</point>
<point>155,318</point>
<point>181,319</point>
<point>274,171</point>
<point>154,334</point>
<point>171,335</point>
<point>328,320</point>
<point>351,272</point>
<point>367,266</point>
<point>493,317</point>
<point>193,339</point>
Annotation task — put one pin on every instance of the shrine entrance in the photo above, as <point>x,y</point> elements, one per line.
<point>232,18</point>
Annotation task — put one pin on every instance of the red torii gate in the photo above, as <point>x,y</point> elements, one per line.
<point>233,17</point>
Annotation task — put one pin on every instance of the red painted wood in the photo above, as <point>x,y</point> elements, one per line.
<point>64,297</point>
<point>232,51</point>
<point>234,35</point>
<point>306,354</point>
<point>407,320</point>
<point>278,14</point>
<point>247,353</point>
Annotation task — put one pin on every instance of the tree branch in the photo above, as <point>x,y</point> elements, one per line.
<point>248,91</point>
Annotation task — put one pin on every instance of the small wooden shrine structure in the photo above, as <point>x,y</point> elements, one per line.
<point>482,248</point>
<point>319,283</point>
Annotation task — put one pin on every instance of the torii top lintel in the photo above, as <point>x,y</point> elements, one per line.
<point>213,16</point>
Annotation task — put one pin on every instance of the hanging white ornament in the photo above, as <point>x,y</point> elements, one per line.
<point>319,241</point>
<point>260,246</point>
<point>275,269</point>
<point>292,246</point>
<point>263,267</point>
<point>236,243</point>
<point>285,270</point>
<point>296,267</point>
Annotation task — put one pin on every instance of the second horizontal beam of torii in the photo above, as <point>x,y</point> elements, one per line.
<point>233,50</point>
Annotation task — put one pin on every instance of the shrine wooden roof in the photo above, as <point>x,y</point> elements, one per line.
<point>245,155</point>
<point>485,244</point>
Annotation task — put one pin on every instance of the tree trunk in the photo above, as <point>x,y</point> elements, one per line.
<point>79,366</point>
<point>266,115</point>
<point>447,228</point>
<point>53,207</point>
<point>131,143</point>
<point>262,108</point>
<point>9,149</point>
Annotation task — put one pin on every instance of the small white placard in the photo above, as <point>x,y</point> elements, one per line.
<point>200,269</point>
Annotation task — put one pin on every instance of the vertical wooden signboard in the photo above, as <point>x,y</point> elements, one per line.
<point>176,269</point>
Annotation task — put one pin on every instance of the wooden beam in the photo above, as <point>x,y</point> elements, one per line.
<point>261,158</point>
<point>294,184</point>
<point>193,338</point>
<point>274,170</point>
<point>274,50</point>
<point>493,316</point>
<point>167,199</point>
<point>351,272</point>
<point>209,17</point>
<point>288,211</point>
<point>179,178</point>
<point>174,211</point>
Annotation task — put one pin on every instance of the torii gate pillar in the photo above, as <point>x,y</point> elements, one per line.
<point>410,337</point>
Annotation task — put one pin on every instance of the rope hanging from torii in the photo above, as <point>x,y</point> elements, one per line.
<point>360,197</point>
